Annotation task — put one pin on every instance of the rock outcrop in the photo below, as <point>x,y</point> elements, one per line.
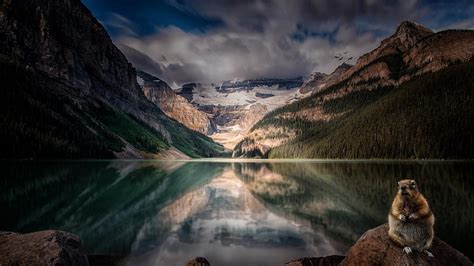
<point>438,51</point>
<point>319,81</point>
<point>199,261</point>
<point>319,261</point>
<point>314,82</point>
<point>175,106</point>
<point>376,248</point>
<point>186,91</point>
<point>234,121</point>
<point>41,248</point>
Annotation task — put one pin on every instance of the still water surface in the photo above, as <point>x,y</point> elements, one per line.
<point>231,212</point>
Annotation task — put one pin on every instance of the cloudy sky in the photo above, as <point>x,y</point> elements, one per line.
<point>184,41</point>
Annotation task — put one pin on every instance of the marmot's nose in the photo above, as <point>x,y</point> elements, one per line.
<point>403,187</point>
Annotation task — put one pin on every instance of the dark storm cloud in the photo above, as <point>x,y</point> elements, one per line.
<point>253,14</point>
<point>267,38</point>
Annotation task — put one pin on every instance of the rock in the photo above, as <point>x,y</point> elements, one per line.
<point>41,248</point>
<point>320,81</point>
<point>199,261</point>
<point>376,248</point>
<point>174,105</point>
<point>106,260</point>
<point>321,261</point>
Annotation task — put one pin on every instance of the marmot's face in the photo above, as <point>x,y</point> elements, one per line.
<point>407,188</point>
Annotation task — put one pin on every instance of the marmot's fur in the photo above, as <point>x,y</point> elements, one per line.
<point>410,219</point>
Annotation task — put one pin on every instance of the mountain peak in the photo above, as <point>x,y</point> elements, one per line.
<point>407,24</point>
<point>407,34</point>
<point>411,28</point>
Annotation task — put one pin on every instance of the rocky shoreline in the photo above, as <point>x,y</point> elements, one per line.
<point>49,247</point>
<point>373,248</point>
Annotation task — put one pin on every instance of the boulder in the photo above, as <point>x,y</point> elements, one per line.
<point>376,248</point>
<point>199,261</point>
<point>317,261</point>
<point>41,248</point>
<point>106,260</point>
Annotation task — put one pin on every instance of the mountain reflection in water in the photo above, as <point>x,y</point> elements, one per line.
<point>241,213</point>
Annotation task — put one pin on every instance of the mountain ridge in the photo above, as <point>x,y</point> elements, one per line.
<point>81,88</point>
<point>375,75</point>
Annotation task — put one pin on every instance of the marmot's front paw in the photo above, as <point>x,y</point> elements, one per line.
<point>413,217</point>
<point>402,218</point>
<point>407,250</point>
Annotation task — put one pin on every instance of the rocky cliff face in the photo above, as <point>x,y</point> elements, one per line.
<point>314,82</point>
<point>175,106</point>
<point>411,51</point>
<point>397,58</point>
<point>319,81</point>
<point>373,65</point>
<point>77,74</point>
<point>63,41</point>
<point>234,121</point>
<point>404,38</point>
<point>438,51</point>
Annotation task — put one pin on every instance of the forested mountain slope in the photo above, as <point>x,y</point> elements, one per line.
<point>428,117</point>
<point>409,98</point>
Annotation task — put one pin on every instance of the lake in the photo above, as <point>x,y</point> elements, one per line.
<point>231,212</point>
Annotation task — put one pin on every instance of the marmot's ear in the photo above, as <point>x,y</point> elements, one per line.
<point>413,182</point>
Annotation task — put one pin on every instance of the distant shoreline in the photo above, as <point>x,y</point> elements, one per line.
<point>252,160</point>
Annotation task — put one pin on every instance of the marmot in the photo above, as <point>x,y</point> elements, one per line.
<point>410,219</point>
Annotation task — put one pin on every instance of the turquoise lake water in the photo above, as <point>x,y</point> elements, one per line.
<point>231,212</point>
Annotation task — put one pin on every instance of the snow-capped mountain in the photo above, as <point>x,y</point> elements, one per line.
<point>235,106</point>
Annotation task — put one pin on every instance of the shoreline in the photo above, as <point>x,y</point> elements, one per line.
<point>374,247</point>
<point>252,160</point>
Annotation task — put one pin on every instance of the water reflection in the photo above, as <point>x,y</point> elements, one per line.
<point>240,213</point>
<point>222,221</point>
